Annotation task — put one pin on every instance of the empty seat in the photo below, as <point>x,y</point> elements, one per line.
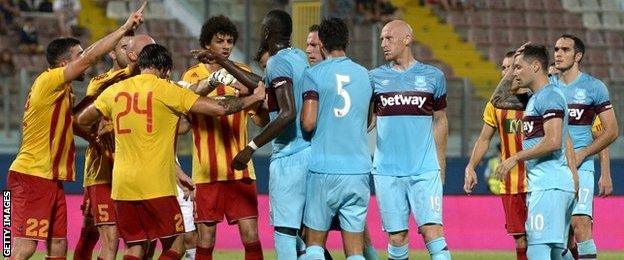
<point>516,5</point>
<point>614,39</point>
<point>478,36</point>
<point>538,36</point>
<point>553,5</point>
<point>456,18</point>
<point>518,37</point>
<point>611,21</point>
<point>495,4</point>
<point>422,52</point>
<point>515,20</point>
<point>597,56</point>
<point>616,73</point>
<point>499,36</point>
<point>572,5</point>
<point>573,21</point>
<point>496,54</point>
<point>477,18</point>
<point>117,9</point>
<point>594,39</point>
<point>610,5</point>
<point>590,6</point>
<point>497,19</point>
<point>535,20</point>
<point>600,72</point>
<point>615,56</point>
<point>591,21</point>
<point>533,5</point>
<point>554,20</point>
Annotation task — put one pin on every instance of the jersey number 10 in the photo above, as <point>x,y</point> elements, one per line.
<point>132,105</point>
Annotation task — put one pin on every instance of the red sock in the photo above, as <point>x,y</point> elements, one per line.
<point>203,253</point>
<point>88,238</point>
<point>170,255</point>
<point>131,257</point>
<point>521,253</point>
<point>55,257</point>
<point>253,251</point>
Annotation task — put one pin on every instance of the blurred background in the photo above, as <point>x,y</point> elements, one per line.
<point>464,38</point>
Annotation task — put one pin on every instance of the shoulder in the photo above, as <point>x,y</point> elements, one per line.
<point>191,72</point>
<point>379,71</point>
<point>594,82</point>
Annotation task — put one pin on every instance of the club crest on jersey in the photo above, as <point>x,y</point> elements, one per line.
<point>420,82</point>
<point>580,96</point>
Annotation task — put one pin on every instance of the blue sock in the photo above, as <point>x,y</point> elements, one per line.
<point>356,257</point>
<point>285,245</point>
<point>538,252</point>
<point>370,253</point>
<point>438,250</point>
<point>587,249</point>
<point>557,251</point>
<point>313,253</point>
<point>398,252</point>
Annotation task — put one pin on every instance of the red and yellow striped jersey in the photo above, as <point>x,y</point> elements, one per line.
<point>217,139</point>
<point>145,111</point>
<point>47,149</point>
<point>98,167</point>
<point>509,126</point>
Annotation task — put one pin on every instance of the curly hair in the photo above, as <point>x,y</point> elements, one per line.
<point>334,34</point>
<point>217,25</point>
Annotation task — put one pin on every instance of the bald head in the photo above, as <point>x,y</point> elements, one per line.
<point>396,39</point>
<point>119,54</point>
<point>136,44</point>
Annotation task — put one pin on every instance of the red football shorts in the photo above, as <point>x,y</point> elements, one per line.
<point>99,205</point>
<point>234,199</point>
<point>150,219</point>
<point>38,207</point>
<point>515,213</point>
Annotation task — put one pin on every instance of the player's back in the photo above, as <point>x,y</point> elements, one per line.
<point>404,103</point>
<point>586,96</point>
<point>286,63</point>
<point>145,111</point>
<point>550,171</point>
<point>339,144</point>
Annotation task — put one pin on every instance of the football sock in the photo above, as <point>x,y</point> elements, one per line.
<point>170,255</point>
<point>57,258</point>
<point>314,253</point>
<point>285,245</point>
<point>556,251</point>
<point>356,257</point>
<point>538,252</point>
<point>438,250</point>
<point>301,246</point>
<point>203,253</point>
<point>253,251</point>
<point>587,250</point>
<point>131,257</point>
<point>398,252</point>
<point>88,238</point>
<point>370,253</point>
<point>521,253</point>
<point>567,254</point>
<point>190,254</point>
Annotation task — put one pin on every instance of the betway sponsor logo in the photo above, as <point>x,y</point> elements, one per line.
<point>528,126</point>
<point>576,113</point>
<point>400,99</point>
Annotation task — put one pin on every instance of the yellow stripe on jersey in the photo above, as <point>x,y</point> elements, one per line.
<point>145,111</point>
<point>47,149</point>
<point>216,140</point>
<point>509,126</point>
<point>98,167</point>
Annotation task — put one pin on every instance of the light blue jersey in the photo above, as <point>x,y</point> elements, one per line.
<point>286,65</point>
<point>586,96</point>
<point>343,90</point>
<point>404,103</point>
<point>550,171</point>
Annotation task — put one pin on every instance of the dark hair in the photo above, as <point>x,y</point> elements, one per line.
<point>334,34</point>
<point>58,50</point>
<point>510,54</point>
<point>155,56</point>
<point>217,25</point>
<point>279,24</point>
<point>579,46</point>
<point>536,52</point>
<point>314,28</point>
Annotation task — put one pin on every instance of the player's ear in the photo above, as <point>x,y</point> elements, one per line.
<point>407,40</point>
<point>132,56</point>
<point>578,56</point>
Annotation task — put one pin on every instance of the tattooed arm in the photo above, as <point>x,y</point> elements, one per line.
<point>504,96</point>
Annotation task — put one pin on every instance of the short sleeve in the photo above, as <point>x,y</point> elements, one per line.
<point>551,105</point>
<point>601,98</point>
<point>439,93</point>
<point>103,101</point>
<point>177,98</point>
<point>52,80</point>
<point>310,90</point>
<point>278,72</point>
<point>489,115</point>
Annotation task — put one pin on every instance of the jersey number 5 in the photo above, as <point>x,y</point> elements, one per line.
<point>132,104</point>
<point>340,81</point>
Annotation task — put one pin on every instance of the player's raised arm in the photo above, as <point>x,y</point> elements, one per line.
<point>87,118</point>
<point>93,53</point>
<point>212,107</point>
<point>248,79</point>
